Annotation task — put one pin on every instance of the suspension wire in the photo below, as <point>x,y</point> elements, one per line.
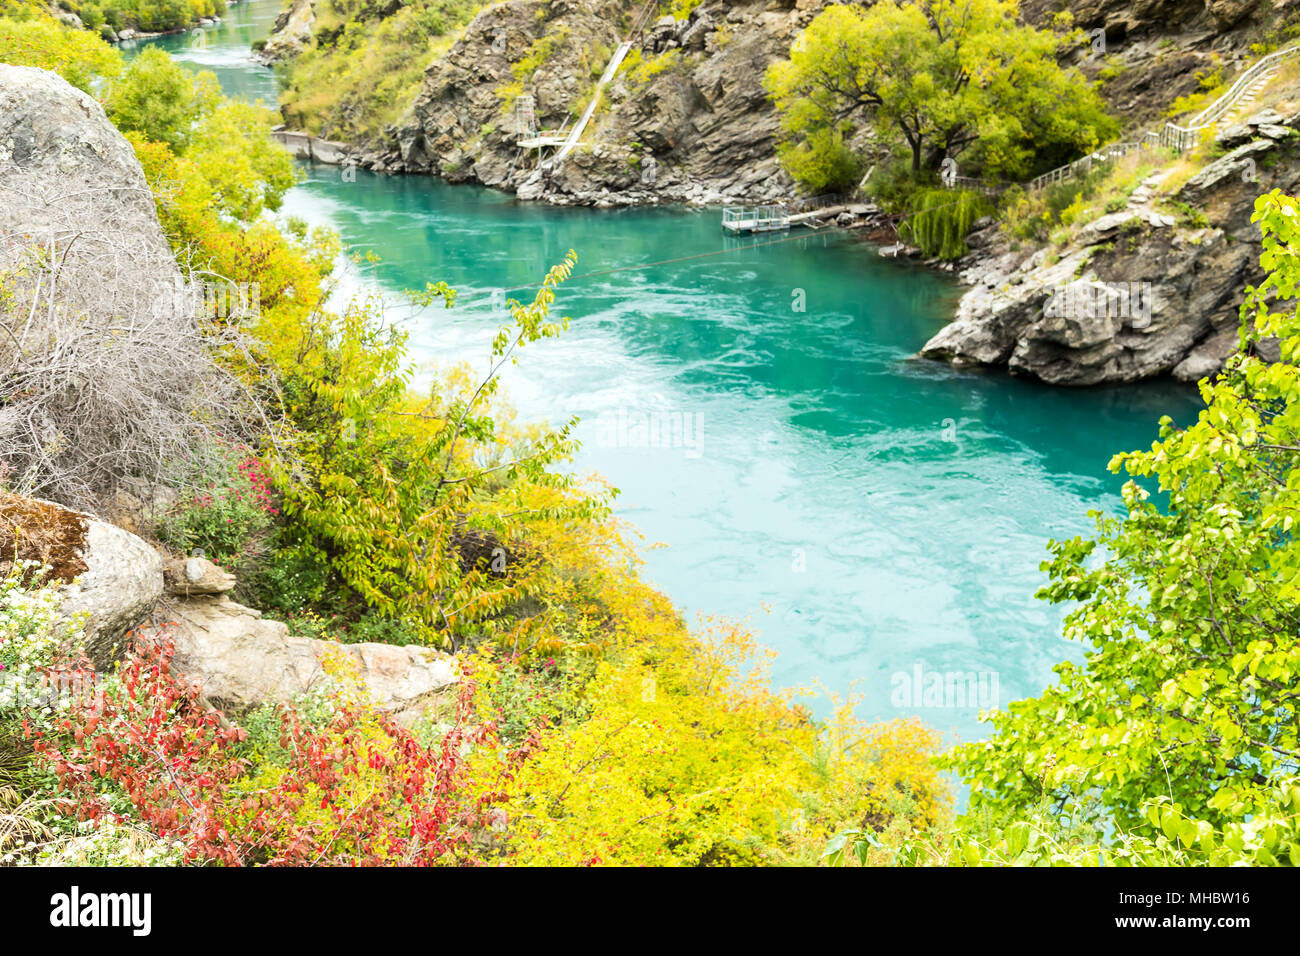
<point>902,220</point>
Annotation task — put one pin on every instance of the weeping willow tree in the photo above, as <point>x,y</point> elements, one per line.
<point>940,220</point>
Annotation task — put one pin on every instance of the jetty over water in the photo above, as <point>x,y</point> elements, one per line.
<point>305,146</point>
<point>739,219</point>
<point>772,217</point>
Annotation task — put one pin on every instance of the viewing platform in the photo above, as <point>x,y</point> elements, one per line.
<point>546,137</point>
<point>738,219</point>
<point>779,216</point>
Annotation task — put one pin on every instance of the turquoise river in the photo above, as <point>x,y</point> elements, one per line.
<point>876,515</point>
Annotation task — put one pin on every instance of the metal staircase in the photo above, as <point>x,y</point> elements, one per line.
<point>530,138</point>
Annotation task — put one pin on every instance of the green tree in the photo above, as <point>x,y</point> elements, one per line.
<point>160,99</point>
<point>76,55</point>
<point>236,155</point>
<point>943,77</point>
<point>1187,695</point>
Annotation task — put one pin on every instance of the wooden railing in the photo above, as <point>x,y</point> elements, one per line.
<point>1169,136</point>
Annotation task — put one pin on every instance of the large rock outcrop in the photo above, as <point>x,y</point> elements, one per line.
<point>111,578</point>
<point>292,29</point>
<point>1150,52</point>
<point>103,362</point>
<point>240,659</point>
<point>62,164</point>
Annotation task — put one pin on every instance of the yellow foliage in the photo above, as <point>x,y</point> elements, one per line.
<point>689,757</point>
<point>1075,211</point>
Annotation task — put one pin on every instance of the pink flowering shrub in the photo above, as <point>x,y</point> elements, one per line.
<point>228,513</point>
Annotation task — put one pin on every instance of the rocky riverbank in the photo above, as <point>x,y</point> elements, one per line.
<point>1150,289</point>
<point>686,120</point>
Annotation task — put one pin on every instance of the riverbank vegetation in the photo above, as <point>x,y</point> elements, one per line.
<point>593,725</point>
<point>1180,729</point>
<point>100,18</point>
<point>362,68</point>
<point>955,86</point>
<point>147,16</point>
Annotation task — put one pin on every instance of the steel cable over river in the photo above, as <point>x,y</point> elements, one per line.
<point>761,408</point>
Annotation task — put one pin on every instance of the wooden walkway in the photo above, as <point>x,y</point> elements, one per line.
<point>1225,109</point>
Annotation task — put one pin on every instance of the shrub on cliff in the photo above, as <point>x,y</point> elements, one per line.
<point>669,752</point>
<point>226,511</point>
<point>943,78</point>
<point>34,643</point>
<point>342,785</point>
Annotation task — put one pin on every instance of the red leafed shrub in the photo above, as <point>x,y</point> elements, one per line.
<point>356,789</point>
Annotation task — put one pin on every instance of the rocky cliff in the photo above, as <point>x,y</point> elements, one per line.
<point>1147,53</point>
<point>685,119</point>
<point>292,28</point>
<point>1149,289</point>
<point>1154,287</point>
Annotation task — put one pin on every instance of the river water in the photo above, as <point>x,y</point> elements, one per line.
<point>759,405</point>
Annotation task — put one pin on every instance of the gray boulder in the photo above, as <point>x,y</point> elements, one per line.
<point>1265,117</point>
<point>104,364</point>
<point>1208,356</point>
<point>1275,131</point>
<point>1243,159</point>
<point>1230,137</point>
<point>118,590</point>
<point>1105,227</point>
